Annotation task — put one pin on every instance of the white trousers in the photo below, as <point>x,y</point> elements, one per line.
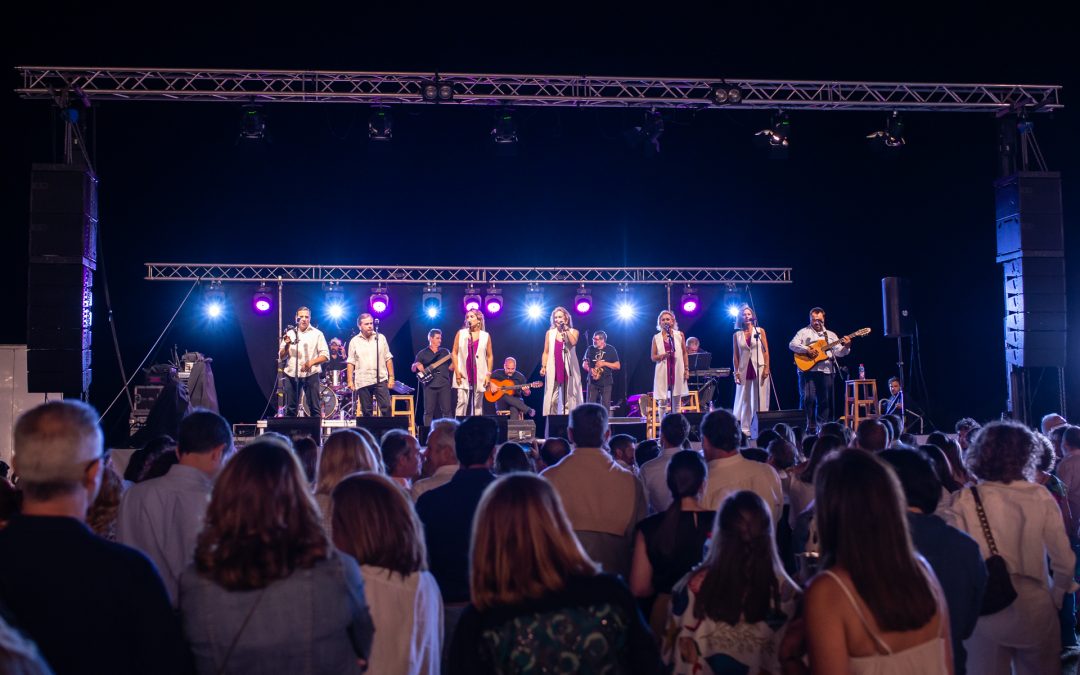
<point>1024,638</point>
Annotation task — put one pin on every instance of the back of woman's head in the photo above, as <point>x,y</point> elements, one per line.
<point>743,578</point>
<point>345,452</point>
<point>1046,457</point>
<point>685,474</point>
<point>511,457</point>
<point>1002,451</point>
<point>942,467</point>
<point>261,523</point>
<point>375,523</point>
<point>862,527</point>
<point>523,546</point>
<point>821,448</point>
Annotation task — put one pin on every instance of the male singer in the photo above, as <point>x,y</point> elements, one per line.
<point>370,370</point>
<point>305,348</point>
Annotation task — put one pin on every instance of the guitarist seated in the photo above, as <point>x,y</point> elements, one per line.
<point>816,384</point>
<point>509,401</point>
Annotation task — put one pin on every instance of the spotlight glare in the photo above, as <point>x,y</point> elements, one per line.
<point>335,311</point>
<point>625,310</point>
<point>534,311</point>
<point>214,300</point>
<point>733,311</point>
<point>431,312</point>
<point>214,309</point>
<point>431,300</point>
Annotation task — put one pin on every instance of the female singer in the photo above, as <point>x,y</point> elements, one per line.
<point>472,359</point>
<point>559,365</point>
<point>750,361</point>
<point>672,367</point>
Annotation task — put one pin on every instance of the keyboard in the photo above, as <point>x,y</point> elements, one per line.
<point>711,372</point>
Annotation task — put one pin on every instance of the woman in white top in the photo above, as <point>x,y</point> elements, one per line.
<point>672,367</point>
<point>876,607</point>
<point>1025,523</point>
<point>472,359</point>
<point>374,522</point>
<point>750,361</point>
<point>558,365</point>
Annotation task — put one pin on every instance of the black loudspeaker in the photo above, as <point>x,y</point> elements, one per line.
<point>296,427</point>
<point>795,418</point>
<point>63,251</point>
<point>556,425</point>
<point>631,426</point>
<point>896,307</point>
<point>380,425</point>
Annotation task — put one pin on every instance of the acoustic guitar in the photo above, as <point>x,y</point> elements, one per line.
<point>426,376</point>
<point>805,362</point>
<point>496,389</point>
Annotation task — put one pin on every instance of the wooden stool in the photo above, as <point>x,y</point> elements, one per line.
<point>407,411</point>
<point>860,401</point>
<point>650,411</point>
<point>693,403</point>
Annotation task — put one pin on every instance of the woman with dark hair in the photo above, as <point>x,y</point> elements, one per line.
<point>376,524</point>
<point>668,544</point>
<point>142,457</point>
<point>1025,523</point>
<point>267,593</point>
<point>511,457</point>
<point>955,455</point>
<point>877,606</point>
<point>539,604</point>
<point>729,614</point>
<point>801,487</point>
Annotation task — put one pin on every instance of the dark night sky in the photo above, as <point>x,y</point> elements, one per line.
<point>176,187</point>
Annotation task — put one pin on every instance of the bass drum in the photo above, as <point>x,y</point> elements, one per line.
<point>328,399</point>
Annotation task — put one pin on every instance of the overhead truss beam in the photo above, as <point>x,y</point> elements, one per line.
<point>310,86</point>
<point>411,274</point>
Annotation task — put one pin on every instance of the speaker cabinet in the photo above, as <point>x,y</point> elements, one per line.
<point>896,307</point>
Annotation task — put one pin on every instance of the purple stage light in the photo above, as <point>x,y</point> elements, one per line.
<point>262,305</point>
<point>689,306</point>
<point>379,301</point>
<point>494,306</point>
<point>690,302</point>
<point>583,301</point>
<point>472,298</point>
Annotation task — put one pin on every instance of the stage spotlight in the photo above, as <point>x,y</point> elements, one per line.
<point>534,302</point>
<point>252,123</point>
<point>334,299</point>
<point>262,301</point>
<point>505,131</point>
<point>434,92</point>
<point>214,300</point>
<point>777,135</point>
<point>893,134</point>
<point>647,135</point>
<point>690,302</point>
<point>380,126</point>
<point>431,301</point>
<point>493,301</point>
<point>725,93</point>
<point>733,300</point>
<point>379,300</point>
<point>472,298</point>
<point>583,301</point>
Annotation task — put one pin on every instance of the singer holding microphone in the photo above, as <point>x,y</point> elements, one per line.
<point>370,367</point>
<point>304,348</point>
<point>473,359</point>
<point>750,363</point>
<point>559,365</point>
<point>672,367</point>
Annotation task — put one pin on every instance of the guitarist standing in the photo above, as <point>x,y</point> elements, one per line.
<point>816,384</point>
<point>599,362</point>
<point>510,401</point>
<point>438,395</point>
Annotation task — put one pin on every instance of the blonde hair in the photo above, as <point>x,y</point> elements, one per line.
<point>566,313</point>
<point>479,315</point>
<point>376,523</point>
<point>345,452</point>
<point>674,321</point>
<point>739,322</point>
<point>523,546</point>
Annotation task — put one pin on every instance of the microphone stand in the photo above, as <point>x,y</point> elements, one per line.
<point>298,387</point>
<point>670,356</point>
<point>378,406</point>
<point>839,371</point>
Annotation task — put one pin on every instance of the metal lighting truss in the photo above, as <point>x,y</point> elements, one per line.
<point>413,274</point>
<point>316,86</point>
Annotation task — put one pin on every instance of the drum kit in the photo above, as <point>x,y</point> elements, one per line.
<point>337,400</point>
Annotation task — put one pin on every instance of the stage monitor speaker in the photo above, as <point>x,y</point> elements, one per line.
<point>380,425</point>
<point>896,307</point>
<point>794,418</point>
<point>631,426</point>
<point>296,427</point>
<point>556,425</point>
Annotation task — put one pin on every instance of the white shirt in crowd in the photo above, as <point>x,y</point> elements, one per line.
<point>362,357</point>
<point>654,477</point>
<point>441,477</point>
<point>732,474</point>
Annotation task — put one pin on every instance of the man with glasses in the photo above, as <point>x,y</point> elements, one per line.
<point>69,590</point>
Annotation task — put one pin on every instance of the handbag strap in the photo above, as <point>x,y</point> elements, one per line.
<point>982,521</point>
<point>236,638</point>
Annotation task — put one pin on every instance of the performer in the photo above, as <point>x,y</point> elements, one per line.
<point>370,370</point>
<point>895,403</point>
<point>511,400</point>
<point>558,365</point>
<point>472,359</point>
<point>339,356</point>
<point>693,345</point>
<point>600,361</point>
<point>305,348</point>
<point>672,370</point>
<point>816,384</point>
<point>438,400</point>
<point>750,363</point>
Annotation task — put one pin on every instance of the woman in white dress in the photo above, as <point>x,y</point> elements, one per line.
<point>750,361</point>
<point>472,359</point>
<point>559,365</point>
<point>672,366</point>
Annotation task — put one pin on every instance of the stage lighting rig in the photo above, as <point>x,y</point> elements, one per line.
<point>431,301</point>
<point>505,131</point>
<point>892,136</point>
<point>777,134</point>
<point>724,93</point>
<point>380,126</point>
<point>334,298</point>
<point>214,300</point>
<point>647,135</point>
<point>583,300</point>
<point>379,300</point>
<point>690,301</point>
<point>624,306</point>
<point>493,300</point>
<point>733,300</point>
<point>252,123</point>
<point>434,91</point>
<point>262,301</point>
<point>472,298</point>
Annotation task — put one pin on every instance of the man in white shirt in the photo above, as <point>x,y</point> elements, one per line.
<point>305,348</point>
<point>370,369</point>
<point>729,471</point>
<point>674,429</point>
<point>816,384</point>
<point>440,458</point>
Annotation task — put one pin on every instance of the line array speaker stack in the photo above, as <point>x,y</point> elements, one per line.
<point>60,298</point>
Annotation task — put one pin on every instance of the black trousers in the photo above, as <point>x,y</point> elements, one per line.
<point>599,393</point>
<point>508,402</point>
<point>311,387</point>
<point>816,397</point>
<point>438,403</point>
<point>381,394</point>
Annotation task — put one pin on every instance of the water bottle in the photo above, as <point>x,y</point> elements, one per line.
<point>862,372</point>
